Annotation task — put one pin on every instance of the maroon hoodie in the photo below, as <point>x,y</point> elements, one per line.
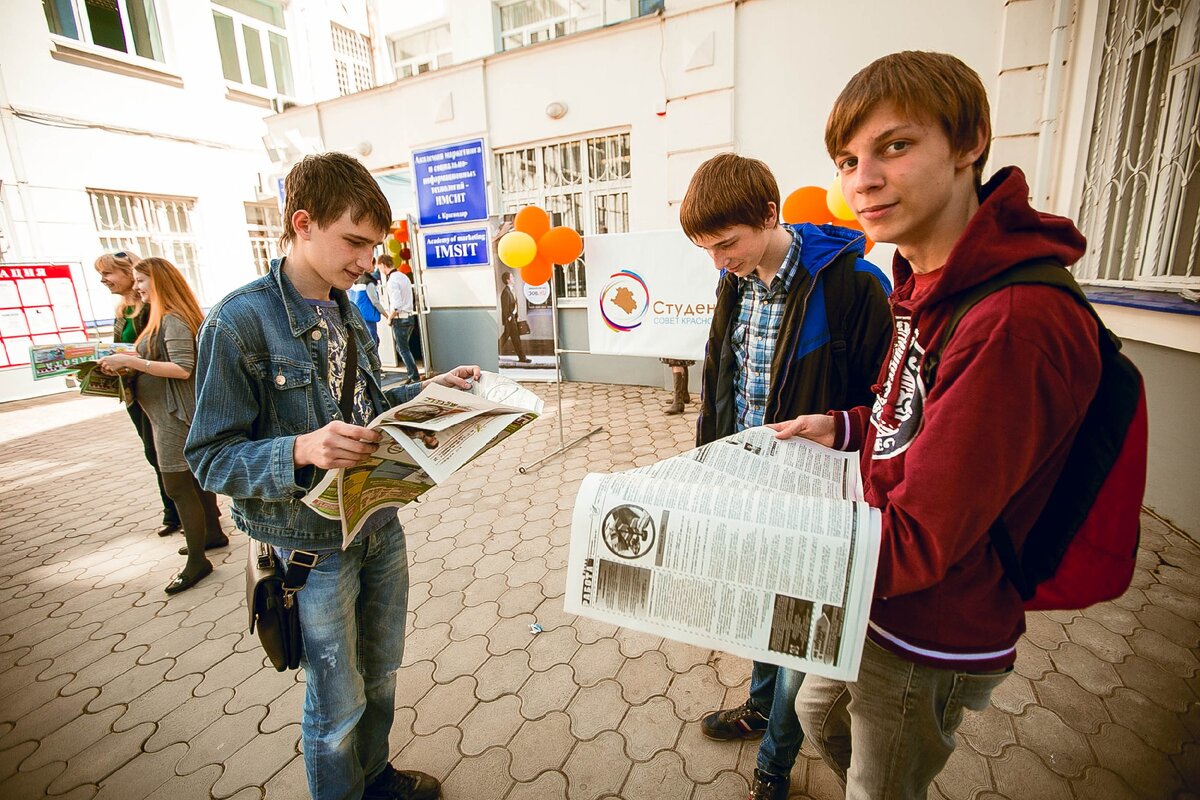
<point>987,440</point>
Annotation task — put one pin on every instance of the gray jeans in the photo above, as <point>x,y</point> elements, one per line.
<point>888,735</point>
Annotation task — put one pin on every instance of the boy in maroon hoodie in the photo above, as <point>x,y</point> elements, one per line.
<point>909,136</point>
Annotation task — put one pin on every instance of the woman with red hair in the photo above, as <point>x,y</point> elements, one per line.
<point>166,392</point>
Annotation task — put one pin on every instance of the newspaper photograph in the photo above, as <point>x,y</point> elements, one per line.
<point>751,545</point>
<point>425,441</point>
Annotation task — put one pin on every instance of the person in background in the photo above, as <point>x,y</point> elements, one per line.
<point>166,391</point>
<point>129,318</point>
<point>679,376</point>
<point>365,295</point>
<point>399,292</point>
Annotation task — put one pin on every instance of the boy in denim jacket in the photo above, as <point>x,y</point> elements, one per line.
<point>270,366</point>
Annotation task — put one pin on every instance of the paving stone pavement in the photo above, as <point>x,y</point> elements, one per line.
<point>110,689</point>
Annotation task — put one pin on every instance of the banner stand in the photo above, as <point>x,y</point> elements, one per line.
<point>563,445</point>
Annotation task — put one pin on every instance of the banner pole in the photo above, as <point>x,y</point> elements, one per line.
<point>563,445</point>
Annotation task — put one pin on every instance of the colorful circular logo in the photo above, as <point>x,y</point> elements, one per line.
<point>624,301</point>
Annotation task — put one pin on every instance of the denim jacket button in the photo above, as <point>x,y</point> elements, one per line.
<point>280,380</point>
<point>298,494</point>
<point>316,335</point>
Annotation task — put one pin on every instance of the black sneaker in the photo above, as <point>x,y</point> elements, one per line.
<point>394,784</point>
<point>743,722</point>
<point>766,786</point>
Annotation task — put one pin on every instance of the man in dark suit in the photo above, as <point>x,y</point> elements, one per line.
<point>508,319</point>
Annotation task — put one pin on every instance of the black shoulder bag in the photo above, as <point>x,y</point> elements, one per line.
<point>271,592</point>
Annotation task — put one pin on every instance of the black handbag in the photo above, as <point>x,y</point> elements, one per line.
<point>271,598</point>
<point>522,328</point>
<point>272,593</point>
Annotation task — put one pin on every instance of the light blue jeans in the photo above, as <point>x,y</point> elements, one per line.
<point>773,693</point>
<point>352,615</point>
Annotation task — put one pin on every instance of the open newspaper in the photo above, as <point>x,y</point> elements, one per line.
<point>425,441</point>
<point>81,358</point>
<point>750,545</point>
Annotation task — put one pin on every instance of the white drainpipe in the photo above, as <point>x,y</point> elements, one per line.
<point>1048,128</point>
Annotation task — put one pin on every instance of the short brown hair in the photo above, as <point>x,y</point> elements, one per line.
<point>728,190</point>
<point>328,185</point>
<point>386,261</point>
<point>934,88</point>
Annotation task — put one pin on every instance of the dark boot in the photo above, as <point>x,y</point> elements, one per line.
<point>181,486</point>
<point>681,396</point>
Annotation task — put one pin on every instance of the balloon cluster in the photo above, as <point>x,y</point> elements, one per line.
<point>397,245</point>
<point>534,247</point>
<point>820,206</point>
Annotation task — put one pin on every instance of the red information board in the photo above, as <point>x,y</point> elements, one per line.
<point>38,305</point>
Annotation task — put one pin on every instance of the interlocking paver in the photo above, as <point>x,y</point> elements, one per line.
<point>660,778</point>
<point>597,767</point>
<point>1103,702</point>
<point>540,745</point>
<point>547,691</point>
<point>502,675</point>
<point>490,723</point>
<point>262,755</point>
<point>547,785</point>
<point>649,728</point>
<point>596,708</point>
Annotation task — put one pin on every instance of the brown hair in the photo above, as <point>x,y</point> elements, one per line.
<point>169,294</point>
<point>934,88</point>
<point>122,261</point>
<point>327,186</point>
<point>728,190</point>
<point>386,261</point>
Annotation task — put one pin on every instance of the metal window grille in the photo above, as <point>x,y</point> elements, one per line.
<point>352,60</point>
<point>264,225</point>
<point>528,22</point>
<point>149,225</point>
<point>1141,193</point>
<point>583,183</point>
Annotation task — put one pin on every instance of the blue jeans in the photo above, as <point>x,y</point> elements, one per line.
<point>352,615</point>
<point>773,693</point>
<point>401,332</point>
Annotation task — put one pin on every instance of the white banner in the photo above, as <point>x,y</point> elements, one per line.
<point>649,294</point>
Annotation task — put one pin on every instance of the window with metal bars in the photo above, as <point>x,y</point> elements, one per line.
<point>149,225</point>
<point>1141,198</point>
<point>582,183</point>
<point>352,60</point>
<point>421,51</point>
<point>264,224</point>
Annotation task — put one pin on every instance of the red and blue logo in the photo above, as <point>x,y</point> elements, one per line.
<point>624,301</point>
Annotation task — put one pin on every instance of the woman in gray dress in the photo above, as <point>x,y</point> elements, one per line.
<point>166,392</point>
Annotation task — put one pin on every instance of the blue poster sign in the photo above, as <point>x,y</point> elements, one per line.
<point>457,249</point>
<point>450,183</point>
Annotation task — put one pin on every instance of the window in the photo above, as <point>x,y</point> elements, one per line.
<point>253,45</point>
<point>582,183</point>
<point>265,225</point>
<point>526,22</point>
<point>149,225</point>
<point>421,52</point>
<point>130,26</point>
<point>1141,195</point>
<point>352,60</point>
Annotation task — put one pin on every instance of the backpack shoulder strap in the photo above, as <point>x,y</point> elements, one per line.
<point>1038,271</point>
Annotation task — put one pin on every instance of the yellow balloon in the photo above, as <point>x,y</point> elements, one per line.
<point>837,201</point>
<point>516,249</point>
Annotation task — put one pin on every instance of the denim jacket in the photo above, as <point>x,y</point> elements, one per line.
<point>261,381</point>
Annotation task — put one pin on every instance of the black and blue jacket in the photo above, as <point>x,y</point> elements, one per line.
<point>834,336</point>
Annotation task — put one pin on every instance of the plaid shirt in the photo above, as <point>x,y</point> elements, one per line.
<point>759,313</point>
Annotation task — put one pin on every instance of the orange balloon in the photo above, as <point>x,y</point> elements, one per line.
<point>560,245</point>
<point>532,220</point>
<point>853,224</point>
<point>538,271</point>
<point>807,204</point>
